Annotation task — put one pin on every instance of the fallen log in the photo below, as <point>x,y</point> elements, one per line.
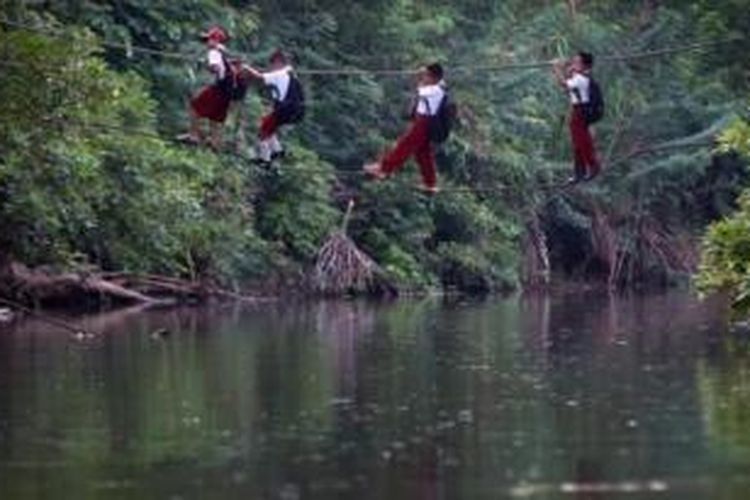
<point>156,284</point>
<point>41,287</point>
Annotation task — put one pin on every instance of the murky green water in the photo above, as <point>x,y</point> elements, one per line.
<point>580,396</point>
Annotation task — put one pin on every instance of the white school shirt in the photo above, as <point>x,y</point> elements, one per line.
<point>216,58</point>
<point>579,86</point>
<point>279,81</point>
<point>430,98</point>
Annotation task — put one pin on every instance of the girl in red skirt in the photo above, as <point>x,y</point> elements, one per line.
<point>213,101</point>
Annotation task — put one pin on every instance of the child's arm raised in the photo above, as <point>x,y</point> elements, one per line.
<point>252,72</point>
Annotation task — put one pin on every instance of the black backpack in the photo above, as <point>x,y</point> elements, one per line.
<point>292,108</point>
<point>232,85</point>
<point>442,122</point>
<point>594,109</point>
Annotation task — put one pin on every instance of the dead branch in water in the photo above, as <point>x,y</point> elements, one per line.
<point>341,267</point>
<point>628,252</point>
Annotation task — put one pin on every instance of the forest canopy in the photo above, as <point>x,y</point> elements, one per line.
<point>91,178</point>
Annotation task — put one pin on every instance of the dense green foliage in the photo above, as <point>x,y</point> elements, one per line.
<point>726,256</point>
<point>88,176</point>
<point>725,264</point>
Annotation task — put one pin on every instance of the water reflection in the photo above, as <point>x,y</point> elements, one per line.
<point>577,396</point>
<point>724,390</point>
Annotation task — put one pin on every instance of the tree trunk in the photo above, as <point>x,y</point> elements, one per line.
<point>536,265</point>
<point>41,287</point>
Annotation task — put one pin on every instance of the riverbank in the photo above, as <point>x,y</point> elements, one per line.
<point>38,291</point>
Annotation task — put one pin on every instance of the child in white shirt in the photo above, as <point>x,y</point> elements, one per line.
<point>576,81</point>
<point>416,140</point>
<point>281,82</point>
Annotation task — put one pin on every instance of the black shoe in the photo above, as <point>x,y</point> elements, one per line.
<point>278,155</point>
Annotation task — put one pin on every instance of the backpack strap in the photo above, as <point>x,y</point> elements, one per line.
<point>275,95</point>
<point>231,77</point>
<point>443,99</point>
<point>427,105</point>
<point>429,108</point>
<point>577,92</point>
<point>227,66</point>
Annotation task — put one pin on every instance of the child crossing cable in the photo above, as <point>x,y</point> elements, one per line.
<point>288,99</point>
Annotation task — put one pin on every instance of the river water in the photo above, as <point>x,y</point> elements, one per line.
<point>580,396</point>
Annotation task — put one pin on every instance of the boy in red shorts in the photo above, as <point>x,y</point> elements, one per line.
<point>416,141</point>
<point>288,105</point>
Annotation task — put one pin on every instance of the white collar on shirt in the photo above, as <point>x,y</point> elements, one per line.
<point>432,88</point>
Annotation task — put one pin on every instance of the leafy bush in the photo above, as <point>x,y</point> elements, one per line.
<point>725,263</point>
<point>78,184</point>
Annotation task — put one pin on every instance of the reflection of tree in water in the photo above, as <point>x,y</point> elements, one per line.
<point>724,386</point>
<point>7,381</point>
<point>568,326</point>
<point>419,399</point>
<point>604,359</point>
<point>589,472</point>
<point>564,328</point>
<point>566,332</point>
<point>341,326</point>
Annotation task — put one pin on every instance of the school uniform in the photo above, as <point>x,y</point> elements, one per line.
<point>212,102</point>
<point>278,81</point>
<point>584,149</point>
<point>416,140</point>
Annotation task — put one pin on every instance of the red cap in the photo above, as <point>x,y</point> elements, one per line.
<point>216,33</point>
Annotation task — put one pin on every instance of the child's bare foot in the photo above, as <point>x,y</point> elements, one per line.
<point>375,170</point>
<point>429,190</point>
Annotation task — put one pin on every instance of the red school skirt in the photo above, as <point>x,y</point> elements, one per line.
<point>211,103</point>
